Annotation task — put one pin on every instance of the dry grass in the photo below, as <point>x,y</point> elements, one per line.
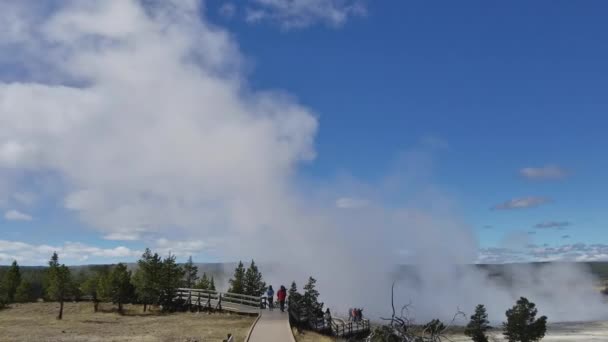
<point>36,322</point>
<point>310,336</point>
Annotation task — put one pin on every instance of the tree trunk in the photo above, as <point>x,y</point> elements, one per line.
<point>145,306</point>
<point>60,316</point>
<point>95,305</point>
<point>120,307</point>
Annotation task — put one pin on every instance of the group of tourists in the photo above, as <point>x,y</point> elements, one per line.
<point>281,296</point>
<point>355,315</point>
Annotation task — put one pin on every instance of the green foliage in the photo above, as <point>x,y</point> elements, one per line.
<point>293,295</point>
<point>171,279</point>
<point>59,282</point>
<point>310,299</point>
<point>478,325</point>
<point>190,274</point>
<point>253,283</point>
<point>121,290</point>
<point>522,325</point>
<point>212,284</point>
<point>147,278</point>
<point>24,293</point>
<point>237,283</point>
<point>10,282</point>
<point>204,283</point>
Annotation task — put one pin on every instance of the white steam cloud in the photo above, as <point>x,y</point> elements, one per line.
<point>142,114</point>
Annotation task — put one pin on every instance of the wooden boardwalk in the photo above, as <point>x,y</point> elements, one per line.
<point>271,326</point>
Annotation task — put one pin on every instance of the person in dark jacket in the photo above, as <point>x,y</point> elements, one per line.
<point>281,295</point>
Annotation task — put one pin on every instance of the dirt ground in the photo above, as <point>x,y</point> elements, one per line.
<point>310,336</point>
<point>36,322</point>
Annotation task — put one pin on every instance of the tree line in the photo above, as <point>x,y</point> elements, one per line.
<point>154,282</point>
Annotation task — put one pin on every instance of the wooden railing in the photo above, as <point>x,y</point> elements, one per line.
<point>327,324</point>
<point>207,299</point>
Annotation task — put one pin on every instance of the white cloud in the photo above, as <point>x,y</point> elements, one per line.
<point>70,252</point>
<point>549,172</point>
<point>567,252</point>
<point>522,203</point>
<point>118,236</point>
<point>16,215</point>
<point>25,198</point>
<point>351,203</point>
<point>148,120</point>
<point>291,14</point>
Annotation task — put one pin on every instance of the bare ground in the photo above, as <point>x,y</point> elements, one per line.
<point>560,332</point>
<point>310,336</point>
<point>36,322</point>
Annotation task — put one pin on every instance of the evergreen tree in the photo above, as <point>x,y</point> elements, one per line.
<point>253,283</point>
<point>10,282</point>
<point>212,284</point>
<point>310,299</point>
<point>190,274</point>
<point>294,296</point>
<point>204,283</point>
<point>478,325</point>
<point>147,278</point>
<point>90,287</point>
<point>24,292</point>
<point>237,283</point>
<point>522,325</point>
<point>104,287</point>
<point>171,279</point>
<point>59,282</point>
<point>121,289</point>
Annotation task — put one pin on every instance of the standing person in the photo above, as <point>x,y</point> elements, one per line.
<point>270,295</point>
<point>281,295</point>
<point>327,318</point>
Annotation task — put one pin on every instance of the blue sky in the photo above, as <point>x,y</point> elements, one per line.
<point>497,88</point>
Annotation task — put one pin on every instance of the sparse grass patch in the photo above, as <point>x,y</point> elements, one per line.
<point>36,322</point>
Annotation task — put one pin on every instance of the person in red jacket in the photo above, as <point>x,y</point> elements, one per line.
<point>281,295</point>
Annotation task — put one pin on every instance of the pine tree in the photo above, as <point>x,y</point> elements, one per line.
<point>24,292</point>
<point>294,296</point>
<point>237,283</point>
<point>310,299</point>
<point>59,282</point>
<point>10,282</point>
<point>212,284</point>
<point>191,273</point>
<point>121,289</point>
<point>522,325</point>
<point>253,283</point>
<point>171,279</point>
<point>104,287</point>
<point>204,283</point>
<point>147,278</point>
<point>90,287</point>
<point>478,325</point>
